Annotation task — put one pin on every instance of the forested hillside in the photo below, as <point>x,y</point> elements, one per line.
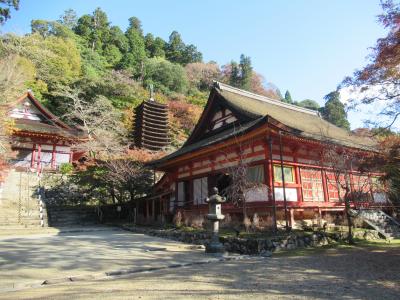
<point>89,57</point>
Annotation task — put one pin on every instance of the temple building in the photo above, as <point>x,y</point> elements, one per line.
<point>42,142</point>
<point>151,125</point>
<point>271,138</point>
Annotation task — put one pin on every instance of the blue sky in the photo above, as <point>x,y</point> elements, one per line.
<point>305,46</point>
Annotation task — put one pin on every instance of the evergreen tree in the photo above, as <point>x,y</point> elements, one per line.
<point>68,19</point>
<point>175,48</point>
<point>234,78</point>
<point>176,51</point>
<point>308,103</point>
<point>191,55</point>
<point>95,29</point>
<point>288,98</point>
<point>158,47</point>
<point>135,23</point>
<point>334,111</point>
<point>149,44</point>
<point>154,46</point>
<point>118,39</point>
<point>134,59</point>
<point>246,71</point>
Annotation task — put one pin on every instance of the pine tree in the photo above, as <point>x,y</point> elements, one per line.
<point>246,72</point>
<point>234,78</point>
<point>68,18</point>
<point>135,23</point>
<point>288,98</point>
<point>334,111</point>
<point>175,48</point>
<point>134,59</point>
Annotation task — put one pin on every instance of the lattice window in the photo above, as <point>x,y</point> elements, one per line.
<point>311,181</point>
<point>362,188</point>
<point>333,185</point>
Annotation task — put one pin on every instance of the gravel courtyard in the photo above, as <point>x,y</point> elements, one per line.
<point>353,273</point>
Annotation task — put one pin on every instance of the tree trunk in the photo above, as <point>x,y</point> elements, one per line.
<point>349,222</point>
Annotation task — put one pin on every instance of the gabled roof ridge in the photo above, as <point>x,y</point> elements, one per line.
<point>48,114</point>
<point>223,86</point>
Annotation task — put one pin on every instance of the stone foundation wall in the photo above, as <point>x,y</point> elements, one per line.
<point>253,246</point>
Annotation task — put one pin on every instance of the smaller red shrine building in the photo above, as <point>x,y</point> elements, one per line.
<point>268,135</point>
<point>42,142</point>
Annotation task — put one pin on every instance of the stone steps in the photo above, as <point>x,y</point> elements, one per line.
<point>383,223</point>
<point>19,205</point>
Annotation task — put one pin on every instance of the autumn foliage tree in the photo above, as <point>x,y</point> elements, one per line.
<point>379,81</point>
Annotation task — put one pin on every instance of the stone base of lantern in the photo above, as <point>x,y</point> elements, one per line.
<point>216,248</point>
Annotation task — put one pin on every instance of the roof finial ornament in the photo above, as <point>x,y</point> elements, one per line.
<point>151,88</point>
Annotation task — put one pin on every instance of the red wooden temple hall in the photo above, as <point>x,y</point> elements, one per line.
<point>270,137</point>
<point>41,140</point>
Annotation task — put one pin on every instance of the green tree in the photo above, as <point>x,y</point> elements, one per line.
<point>118,39</point>
<point>68,19</point>
<point>191,55</point>
<point>175,48</point>
<point>288,98</point>
<point>234,78</point>
<point>154,46</point>
<point>57,60</point>
<point>48,28</point>
<point>133,60</point>
<point>41,26</point>
<point>136,24</point>
<point>334,110</point>
<point>167,77</point>
<point>5,9</point>
<point>310,104</point>
<point>158,47</point>
<point>95,29</point>
<point>246,72</point>
<point>112,54</point>
<point>149,43</point>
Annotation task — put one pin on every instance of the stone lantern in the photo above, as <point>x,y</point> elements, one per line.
<point>215,215</point>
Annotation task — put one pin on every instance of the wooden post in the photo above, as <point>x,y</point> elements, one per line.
<point>291,217</point>
<point>53,157</point>
<point>325,185</point>
<point>272,181</point>
<point>33,156</point>
<point>39,156</point>
<point>153,210</point>
<point>283,181</point>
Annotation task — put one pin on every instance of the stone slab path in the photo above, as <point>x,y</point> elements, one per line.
<point>352,273</point>
<point>59,256</point>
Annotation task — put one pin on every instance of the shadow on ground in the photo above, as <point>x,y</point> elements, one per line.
<point>361,273</point>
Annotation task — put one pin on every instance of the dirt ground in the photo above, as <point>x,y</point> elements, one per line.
<point>350,273</point>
